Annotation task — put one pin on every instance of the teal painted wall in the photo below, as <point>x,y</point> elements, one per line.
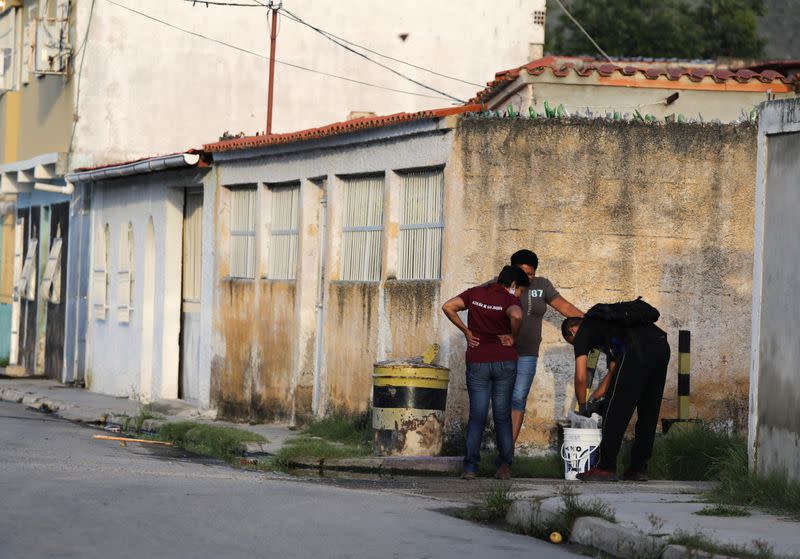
<point>5,332</point>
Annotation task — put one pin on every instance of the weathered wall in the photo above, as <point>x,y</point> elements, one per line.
<point>614,210</point>
<point>327,369</point>
<point>775,397</point>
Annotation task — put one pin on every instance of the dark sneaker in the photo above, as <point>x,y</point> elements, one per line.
<point>596,474</point>
<point>632,475</point>
<point>469,475</point>
<point>503,472</point>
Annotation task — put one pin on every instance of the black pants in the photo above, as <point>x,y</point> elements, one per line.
<point>638,385</point>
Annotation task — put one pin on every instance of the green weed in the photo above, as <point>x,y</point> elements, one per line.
<point>722,510</point>
<point>354,429</point>
<point>699,541</point>
<point>493,508</point>
<point>209,440</point>
<point>145,412</point>
<point>737,485</point>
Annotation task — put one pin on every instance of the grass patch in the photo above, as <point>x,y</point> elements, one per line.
<point>686,454</point>
<point>145,412</point>
<point>493,508</point>
<point>3,363</point>
<point>341,428</point>
<point>698,541</point>
<point>723,510</point>
<point>209,440</point>
<point>773,493</point>
<point>571,509</point>
<point>548,466</point>
<point>338,436</point>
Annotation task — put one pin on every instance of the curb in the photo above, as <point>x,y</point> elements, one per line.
<point>444,465</point>
<point>616,540</point>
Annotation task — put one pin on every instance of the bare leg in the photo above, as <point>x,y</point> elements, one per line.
<point>516,423</point>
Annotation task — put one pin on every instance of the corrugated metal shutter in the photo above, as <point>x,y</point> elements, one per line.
<point>284,223</point>
<point>421,226</point>
<point>100,273</point>
<point>362,229</point>
<point>192,247</point>
<point>243,233</point>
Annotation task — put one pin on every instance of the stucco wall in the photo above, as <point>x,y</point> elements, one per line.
<point>775,398</point>
<point>145,359</point>
<point>614,210</point>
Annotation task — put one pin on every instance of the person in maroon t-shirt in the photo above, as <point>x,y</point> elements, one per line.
<point>494,317</point>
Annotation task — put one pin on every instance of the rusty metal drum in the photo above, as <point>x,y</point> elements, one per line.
<point>408,404</point>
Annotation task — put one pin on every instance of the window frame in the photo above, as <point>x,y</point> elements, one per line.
<point>404,225</point>
<point>243,233</point>
<point>346,230</point>
<point>292,232</point>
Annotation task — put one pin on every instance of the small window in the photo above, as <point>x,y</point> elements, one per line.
<point>50,289</point>
<point>421,226</point>
<point>243,233</point>
<point>284,223</point>
<point>100,272</point>
<point>125,273</point>
<point>362,229</point>
<point>539,17</point>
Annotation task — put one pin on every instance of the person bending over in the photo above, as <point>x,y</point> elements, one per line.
<point>494,318</point>
<point>641,354</point>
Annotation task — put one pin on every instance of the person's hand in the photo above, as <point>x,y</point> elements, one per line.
<point>472,339</point>
<point>595,406</point>
<point>506,340</point>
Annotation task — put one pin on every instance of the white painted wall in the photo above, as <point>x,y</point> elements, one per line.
<point>774,434</point>
<point>118,355</point>
<point>149,89</point>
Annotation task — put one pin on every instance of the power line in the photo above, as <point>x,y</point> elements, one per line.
<point>234,4</point>
<point>576,22</point>
<point>364,56</point>
<point>291,65</point>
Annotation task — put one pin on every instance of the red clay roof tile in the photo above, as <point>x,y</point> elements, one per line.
<point>335,129</point>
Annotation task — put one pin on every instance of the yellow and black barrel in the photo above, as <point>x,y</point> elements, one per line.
<point>408,403</point>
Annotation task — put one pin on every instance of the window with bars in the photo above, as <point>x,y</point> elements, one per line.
<point>243,233</point>
<point>362,229</point>
<point>421,226</point>
<point>100,272</point>
<point>125,273</point>
<point>284,223</point>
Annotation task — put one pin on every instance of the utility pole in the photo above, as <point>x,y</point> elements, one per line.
<point>274,6</point>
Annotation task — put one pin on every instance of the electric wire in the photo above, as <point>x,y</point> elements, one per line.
<point>576,22</point>
<point>289,64</point>
<point>364,56</point>
<point>353,43</point>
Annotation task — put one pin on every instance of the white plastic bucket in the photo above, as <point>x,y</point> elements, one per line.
<point>580,450</point>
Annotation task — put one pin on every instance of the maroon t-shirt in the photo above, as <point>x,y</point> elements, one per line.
<point>487,319</point>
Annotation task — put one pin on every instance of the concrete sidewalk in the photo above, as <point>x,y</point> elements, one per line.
<point>80,405</point>
<point>647,514</point>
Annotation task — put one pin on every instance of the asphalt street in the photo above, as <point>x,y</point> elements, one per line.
<point>64,494</point>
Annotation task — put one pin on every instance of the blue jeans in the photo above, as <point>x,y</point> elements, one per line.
<point>526,370</point>
<point>485,382</point>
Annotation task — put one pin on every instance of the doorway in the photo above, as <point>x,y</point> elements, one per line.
<point>189,378</point>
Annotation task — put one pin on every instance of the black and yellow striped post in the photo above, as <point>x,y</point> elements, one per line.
<point>408,404</point>
<point>684,367</point>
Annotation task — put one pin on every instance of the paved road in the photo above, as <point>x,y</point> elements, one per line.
<point>63,494</point>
